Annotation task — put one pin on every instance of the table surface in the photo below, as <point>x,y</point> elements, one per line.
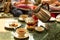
<point>53,33</point>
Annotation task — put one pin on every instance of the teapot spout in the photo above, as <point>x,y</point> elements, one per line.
<point>37,9</point>
<point>41,6</point>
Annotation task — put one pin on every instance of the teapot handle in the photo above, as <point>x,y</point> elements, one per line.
<point>47,5</point>
<point>39,7</point>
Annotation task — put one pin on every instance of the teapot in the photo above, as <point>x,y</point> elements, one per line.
<point>41,13</point>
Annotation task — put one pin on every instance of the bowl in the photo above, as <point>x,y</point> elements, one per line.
<point>22,17</point>
<point>29,20</point>
<point>58,18</point>
<point>39,29</point>
<point>31,28</point>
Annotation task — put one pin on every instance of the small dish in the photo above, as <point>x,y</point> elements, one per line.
<point>12,25</point>
<point>52,19</point>
<point>22,17</point>
<point>30,28</point>
<point>39,29</point>
<point>58,19</point>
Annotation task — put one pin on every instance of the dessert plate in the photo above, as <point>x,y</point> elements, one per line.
<point>12,24</point>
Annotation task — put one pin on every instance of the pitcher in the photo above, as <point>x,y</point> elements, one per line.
<point>41,13</point>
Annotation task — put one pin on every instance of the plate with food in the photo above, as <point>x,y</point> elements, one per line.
<point>22,17</point>
<point>21,33</point>
<point>12,24</point>
<point>39,29</point>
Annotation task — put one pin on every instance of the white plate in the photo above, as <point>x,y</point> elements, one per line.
<point>21,19</point>
<point>52,19</point>
<point>7,25</point>
<point>36,28</point>
<point>16,35</point>
<point>58,19</point>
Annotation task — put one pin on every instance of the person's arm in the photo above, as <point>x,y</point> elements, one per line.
<point>55,6</point>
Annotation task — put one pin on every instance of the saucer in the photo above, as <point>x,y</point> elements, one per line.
<point>7,27</point>
<point>58,19</point>
<point>16,35</point>
<point>21,19</point>
<point>39,29</point>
